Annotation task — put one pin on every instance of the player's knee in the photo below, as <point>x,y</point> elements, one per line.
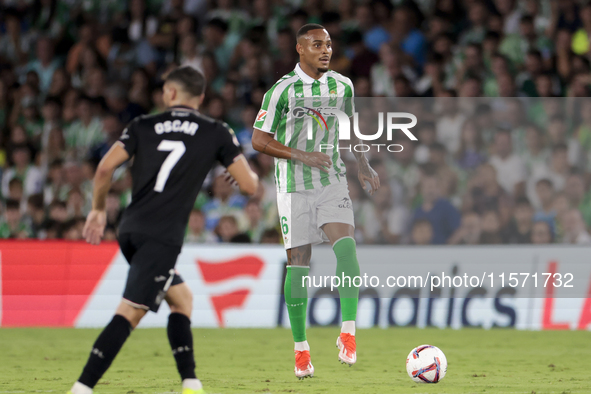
<point>132,314</point>
<point>182,304</point>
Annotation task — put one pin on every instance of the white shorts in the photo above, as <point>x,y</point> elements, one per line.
<point>303,213</point>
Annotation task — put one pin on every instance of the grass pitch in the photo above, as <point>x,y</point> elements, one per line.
<point>261,361</point>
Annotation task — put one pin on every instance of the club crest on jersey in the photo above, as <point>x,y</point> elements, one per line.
<point>261,115</point>
<point>333,95</point>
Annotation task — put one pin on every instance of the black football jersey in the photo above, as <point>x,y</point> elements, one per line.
<point>172,154</point>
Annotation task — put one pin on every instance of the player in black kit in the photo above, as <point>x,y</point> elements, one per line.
<point>172,153</point>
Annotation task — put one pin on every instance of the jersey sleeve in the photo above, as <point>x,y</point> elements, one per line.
<point>269,115</point>
<point>229,147</point>
<point>129,137</point>
<point>349,98</point>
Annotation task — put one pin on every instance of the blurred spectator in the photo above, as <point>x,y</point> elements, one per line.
<point>225,201</point>
<point>270,236</point>
<point>545,197</point>
<point>30,176</point>
<point>574,228</point>
<point>12,225</point>
<point>45,64</point>
<point>557,171</point>
<point>510,169</point>
<point>70,230</point>
<point>118,103</point>
<point>426,136</point>
<point>421,232</point>
<point>196,231</point>
<point>491,228</point>
<point>15,190</point>
<point>254,215</point>
<point>386,222</point>
<point>520,228</point>
<point>58,211</point>
<point>448,178</point>
<point>471,152</point>
<point>35,214</point>
<point>111,130</point>
<point>226,228</point>
<point>85,131</point>
<point>443,216</point>
<point>541,233</point>
<point>449,123</point>
<point>113,208</point>
<point>469,232</point>
<point>72,77</point>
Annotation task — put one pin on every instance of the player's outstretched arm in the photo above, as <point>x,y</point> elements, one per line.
<point>97,218</point>
<point>265,143</point>
<point>246,178</point>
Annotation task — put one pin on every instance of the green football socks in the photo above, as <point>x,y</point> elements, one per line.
<point>347,268</point>
<point>296,299</point>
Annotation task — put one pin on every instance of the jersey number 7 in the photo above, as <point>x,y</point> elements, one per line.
<point>177,150</point>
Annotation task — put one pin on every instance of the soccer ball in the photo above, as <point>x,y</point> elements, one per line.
<point>426,364</point>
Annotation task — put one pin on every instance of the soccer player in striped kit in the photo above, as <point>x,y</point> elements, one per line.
<point>312,194</point>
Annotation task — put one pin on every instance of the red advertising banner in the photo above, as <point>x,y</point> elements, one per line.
<point>47,283</point>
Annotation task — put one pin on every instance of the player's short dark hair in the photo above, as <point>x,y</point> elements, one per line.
<point>191,79</point>
<point>308,27</point>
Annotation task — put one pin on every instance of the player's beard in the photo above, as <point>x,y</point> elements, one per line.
<point>322,69</point>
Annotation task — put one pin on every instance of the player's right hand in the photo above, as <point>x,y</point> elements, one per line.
<point>315,159</point>
<point>94,228</point>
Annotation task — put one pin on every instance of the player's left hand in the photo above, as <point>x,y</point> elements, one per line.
<point>368,174</point>
<point>94,228</point>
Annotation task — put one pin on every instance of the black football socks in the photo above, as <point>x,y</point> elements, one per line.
<point>181,343</point>
<point>105,349</point>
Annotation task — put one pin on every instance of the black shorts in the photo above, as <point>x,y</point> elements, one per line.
<point>151,270</point>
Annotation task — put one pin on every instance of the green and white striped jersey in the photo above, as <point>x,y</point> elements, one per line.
<point>300,92</point>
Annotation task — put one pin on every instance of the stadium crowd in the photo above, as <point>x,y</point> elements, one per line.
<point>511,167</point>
